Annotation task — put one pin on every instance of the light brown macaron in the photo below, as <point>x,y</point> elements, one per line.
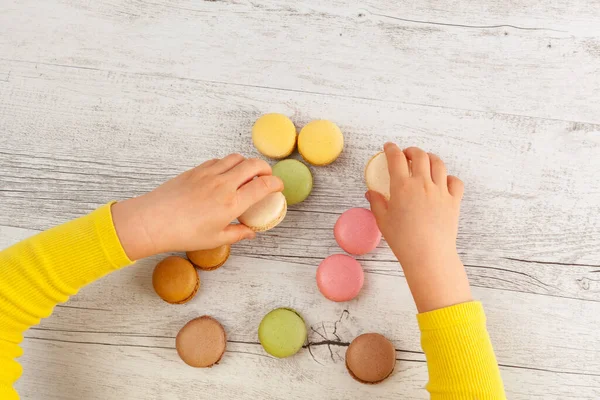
<point>201,342</point>
<point>266,214</point>
<point>175,280</point>
<point>209,260</point>
<point>377,175</point>
<point>370,358</point>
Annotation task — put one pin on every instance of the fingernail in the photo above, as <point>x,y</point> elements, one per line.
<point>387,144</point>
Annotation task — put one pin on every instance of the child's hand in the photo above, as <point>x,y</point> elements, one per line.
<point>420,223</point>
<point>194,210</point>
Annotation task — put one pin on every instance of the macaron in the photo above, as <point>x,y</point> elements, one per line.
<point>297,180</point>
<point>356,231</point>
<point>370,358</point>
<point>340,277</point>
<point>282,332</point>
<point>266,214</point>
<point>208,260</point>
<point>201,342</point>
<point>377,175</point>
<point>320,142</point>
<point>175,280</point>
<point>274,135</point>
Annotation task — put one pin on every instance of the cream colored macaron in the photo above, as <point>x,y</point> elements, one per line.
<point>320,142</point>
<point>266,214</point>
<point>377,175</point>
<point>274,135</point>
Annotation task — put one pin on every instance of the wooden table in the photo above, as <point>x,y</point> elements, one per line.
<point>103,100</point>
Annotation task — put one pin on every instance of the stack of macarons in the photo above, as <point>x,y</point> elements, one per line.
<point>175,279</point>
<point>370,358</point>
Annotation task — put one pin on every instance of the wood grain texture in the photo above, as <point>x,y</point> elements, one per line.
<point>541,60</point>
<point>105,100</point>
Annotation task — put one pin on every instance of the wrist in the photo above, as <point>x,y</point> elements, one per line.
<point>438,283</point>
<point>129,221</point>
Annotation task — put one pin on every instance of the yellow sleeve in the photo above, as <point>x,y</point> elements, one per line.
<point>460,357</point>
<point>46,269</point>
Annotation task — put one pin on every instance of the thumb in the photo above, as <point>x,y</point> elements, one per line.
<point>378,204</point>
<point>237,232</point>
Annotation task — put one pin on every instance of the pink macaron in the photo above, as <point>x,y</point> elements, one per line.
<point>340,277</point>
<point>356,231</point>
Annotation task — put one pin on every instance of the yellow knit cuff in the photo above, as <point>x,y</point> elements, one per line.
<point>109,240</point>
<point>447,317</point>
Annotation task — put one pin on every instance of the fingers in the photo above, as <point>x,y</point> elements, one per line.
<point>208,163</point>
<point>256,190</point>
<point>419,165</point>
<point>396,160</point>
<point>438,170</point>
<point>456,187</point>
<point>233,233</point>
<point>246,170</point>
<point>378,204</point>
<point>225,164</point>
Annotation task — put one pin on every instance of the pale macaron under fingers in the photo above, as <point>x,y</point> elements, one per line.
<point>320,142</point>
<point>370,358</point>
<point>201,342</point>
<point>274,135</point>
<point>175,280</point>
<point>282,332</point>
<point>340,277</point>
<point>377,175</point>
<point>266,214</point>
<point>209,260</point>
<point>356,231</point>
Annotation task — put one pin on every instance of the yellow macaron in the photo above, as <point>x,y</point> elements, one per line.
<point>320,142</point>
<point>274,135</point>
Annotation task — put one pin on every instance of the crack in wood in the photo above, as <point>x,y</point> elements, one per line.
<point>551,262</point>
<point>416,21</point>
<point>408,360</point>
<point>548,370</point>
<point>82,308</point>
<point>545,285</point>
<point>335,325</point>
<point>100,343</point>
<point>311,354</point>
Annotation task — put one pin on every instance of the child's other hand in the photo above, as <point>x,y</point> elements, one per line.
<point>420,223</point>
<point>194,210</point>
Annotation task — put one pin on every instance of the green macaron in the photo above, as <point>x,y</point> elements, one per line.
<point>297,180</point>
<point>282,332</point>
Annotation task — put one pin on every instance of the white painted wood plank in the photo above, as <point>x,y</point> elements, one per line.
<point>547,66</point>
<point>123,310</point>
<point>124,315</point>
<point>103,372</point>
<point>528,181</point>
<point>106,100</point>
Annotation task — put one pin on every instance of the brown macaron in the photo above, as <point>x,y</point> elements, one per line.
<point>175,280</point>
<point>201,342</point>
<point>370,358</point>
<point>208,260</point>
